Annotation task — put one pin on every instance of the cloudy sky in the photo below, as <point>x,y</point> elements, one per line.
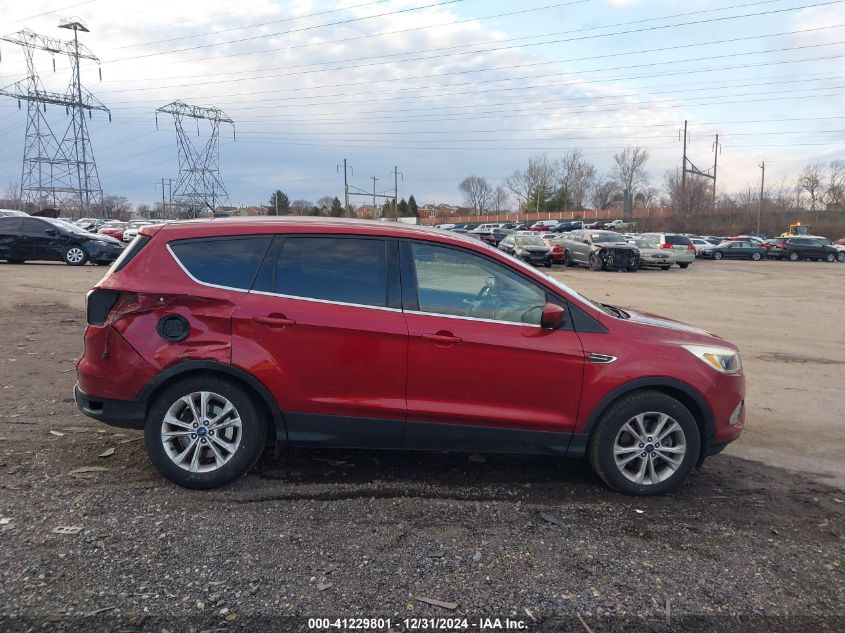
<point>444,88</point>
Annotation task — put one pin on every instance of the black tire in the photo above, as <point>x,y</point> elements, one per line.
<point>666,267</point>
<point>252,437</point>
<point>595,265</point>
<point>794,256</point>
<point>684,265</point>
<point>567,260</point>
<point>717,255</point>
<point>16,261</point>
<point>600,450</point>
<point>75,256</point>
<point>841,256</point>
<point>756,257</point>
<point>830,257</point>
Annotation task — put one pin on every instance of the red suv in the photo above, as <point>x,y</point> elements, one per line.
<point>217,337</point>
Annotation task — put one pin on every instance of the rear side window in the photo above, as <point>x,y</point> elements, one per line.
<point>347,270</point>
<point>10,226</point>
<point>678,240</point>
<point>231,262</point>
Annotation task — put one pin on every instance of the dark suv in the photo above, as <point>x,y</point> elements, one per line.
<point>217,337</point>
<point>795,248</point>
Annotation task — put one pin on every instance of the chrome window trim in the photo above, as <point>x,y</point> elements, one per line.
<point>329,301</point>
<point>468,318</point>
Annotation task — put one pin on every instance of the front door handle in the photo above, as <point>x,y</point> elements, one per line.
<point>443,338</point>
<point>274,320</point>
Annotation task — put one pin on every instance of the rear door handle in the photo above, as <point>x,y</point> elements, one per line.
<point>274,320</point>
<point>443,338</point>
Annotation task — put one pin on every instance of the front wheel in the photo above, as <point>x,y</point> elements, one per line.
<point>595,266</point>
<point>204,432</point>
<point>756,257</point>
<point>666,267</point>
<point>830,257</point>
<point>794,256</point>
<point>567,260</point>
<point>841,256</point>
<point>75,256</point>
<point>717,255</point>
<point>645,444</point>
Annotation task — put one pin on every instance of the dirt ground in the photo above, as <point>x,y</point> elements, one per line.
<point>754,541</point>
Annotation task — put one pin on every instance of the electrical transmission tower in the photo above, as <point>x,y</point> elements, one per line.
<point>687,167</point>
<point>199,186</point>
<point>57,171</point>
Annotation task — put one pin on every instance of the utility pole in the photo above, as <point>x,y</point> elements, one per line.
<point>684,176</point>
<point>396,173</point>
<point>169,182</point>
<point>717,149</point>
<point>762,185</point>
<point>346,188</point>
<point>374,195</point>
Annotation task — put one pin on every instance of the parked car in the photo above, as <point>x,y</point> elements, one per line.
<point>699,243</point>
<point>131,230</point>
<point>25,239</point>
<point>597,224</point>
<point>529,248</point>
<point>113,228</point>
<point>566,227</point>
<point>840,242</point>
<point>445,227</point>
<point>680,244</point>
<point>544,225</point>
<point>735,249</point>
<point>214,355</point>
<point>91,225</point>
<point>840,248</point>
<point>600,250</point>
<point>813,248</point>
<point>652,256</point>
<point>5,213</point>
<point>554,241</point>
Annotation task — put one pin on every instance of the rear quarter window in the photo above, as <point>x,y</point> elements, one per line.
<point>231,262</point>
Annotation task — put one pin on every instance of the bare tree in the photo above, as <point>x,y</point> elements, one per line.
<point>576,177</point>
<point>477,193</point>
<point>301,207</point>
<point>602,194</point>
<point>630,174</point>
<point>143,210</point>
<point>325,203</point>
<point>835,191</point>
<point>501,199</point>
<point>810,181</point>
<point>520,185</point>
<point>11,197</point>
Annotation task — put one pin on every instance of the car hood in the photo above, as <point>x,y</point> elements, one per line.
<point>675,330</point>
<point>615,245</point>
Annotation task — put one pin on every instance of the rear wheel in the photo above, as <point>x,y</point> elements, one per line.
<point>204,432</point>
<point>666,267</point>
<point>756,257</point>
<point>645,444</point>
<point>16,261</point>
<point>567,260</point>
<point>830,257</point>
<point>794,257</point>
<point>75,256</point>
<point>841,256</point>
<point>717,255</point>
<point>686,265</point>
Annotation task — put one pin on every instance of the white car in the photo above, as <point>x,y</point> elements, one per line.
<point>131,231</point>
<point>700,243</point>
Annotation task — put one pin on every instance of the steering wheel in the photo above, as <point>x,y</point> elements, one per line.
<point>485,298</point>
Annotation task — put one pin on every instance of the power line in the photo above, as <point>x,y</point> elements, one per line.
<point>297,30</point>
<point>41,15</point>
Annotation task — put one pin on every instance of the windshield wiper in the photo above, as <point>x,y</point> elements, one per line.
<point>616,311</point>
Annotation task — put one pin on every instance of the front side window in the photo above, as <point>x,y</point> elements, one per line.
<point>458,283</point>
<point>341,269</point>
<point>231,262</point>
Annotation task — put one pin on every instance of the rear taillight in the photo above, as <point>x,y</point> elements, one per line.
<point>690,247</point>
<point>666,246</point>
<point>98,305</point>
<point>557,249</point>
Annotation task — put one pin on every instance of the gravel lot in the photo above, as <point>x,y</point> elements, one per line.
<point>754,541</point>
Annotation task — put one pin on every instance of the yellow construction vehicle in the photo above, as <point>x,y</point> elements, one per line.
<point>796,229</point>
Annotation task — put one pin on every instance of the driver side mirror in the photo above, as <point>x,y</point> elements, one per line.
<point>51,232</point>
<point>586,241</point>
<point>553,316</point>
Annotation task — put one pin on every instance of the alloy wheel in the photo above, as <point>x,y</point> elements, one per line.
<point>75,255</point>
<point>649,448</point>
<point>201,431</point>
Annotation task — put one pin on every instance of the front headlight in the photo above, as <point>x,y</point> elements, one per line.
<point>721,359</point>
<point>520,251</point>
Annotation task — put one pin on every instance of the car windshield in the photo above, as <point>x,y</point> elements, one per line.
<point>528,240</point>
<point>606,238</point>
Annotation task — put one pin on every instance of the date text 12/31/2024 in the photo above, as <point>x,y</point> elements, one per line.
<point>417,624</point>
